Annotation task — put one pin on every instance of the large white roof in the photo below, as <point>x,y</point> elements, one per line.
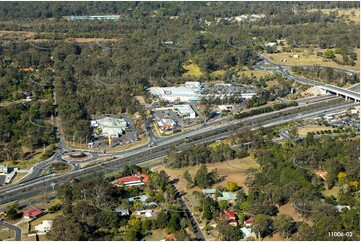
<point>184,109</point>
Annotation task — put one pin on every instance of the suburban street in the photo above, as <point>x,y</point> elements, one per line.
<point>16,229</point>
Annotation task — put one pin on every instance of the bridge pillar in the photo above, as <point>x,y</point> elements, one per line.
<point>338,94</point>
<point>346,98</point>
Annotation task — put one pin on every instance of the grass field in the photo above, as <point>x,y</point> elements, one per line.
<point>312,128</point>
<point>192,70</point>
<point>232,170</point>
<point>311,60</point>
<point>218,73</point>
<point>271,84</point>
<point>6,233</point>
<point>331,192</point>
<point>255,73</point>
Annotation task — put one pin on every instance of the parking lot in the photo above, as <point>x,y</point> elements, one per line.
<point>226,89</point>
<point>347,121</point>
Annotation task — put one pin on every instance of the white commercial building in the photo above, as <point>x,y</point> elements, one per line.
<point>195,86</point>
<point>111,127</point>
<point>44,227</point>
<point>185,110</point>
<point>166,124</point>
<point>173,94</point>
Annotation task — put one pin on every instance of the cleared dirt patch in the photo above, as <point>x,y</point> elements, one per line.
<point>287,209</point>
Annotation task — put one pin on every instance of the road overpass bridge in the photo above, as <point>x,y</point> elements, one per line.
<point>348,94</point>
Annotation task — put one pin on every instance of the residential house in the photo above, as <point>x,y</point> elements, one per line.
<point>135,180</point>
<point>148,213</point>
<point>123,212</point>
<point>230,216</point>
<point>248,223</point>
<point>141,198</point>
<point>44,227</point>
<point>228,196</point>
<point>151,204</point>
<point>248,234</point>
<point>209,192</point>
<point>33,212</point>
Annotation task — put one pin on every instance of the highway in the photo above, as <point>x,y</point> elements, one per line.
<point>284,70</point>
<point>37,170</point>
<point>42,184</point>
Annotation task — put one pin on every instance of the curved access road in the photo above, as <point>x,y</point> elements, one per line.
<point>18,231</point>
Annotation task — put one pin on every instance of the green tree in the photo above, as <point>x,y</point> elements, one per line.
<point>262,225</point>
<point>12,213</point>
<point>285,225</point>
<point>232,186</point>
<point>329,54</point>
<point>209,206</point>
<point>187,176</point>
<point>227,232</point>
<point>132,234</point>
<point>201,177</point>
<point>183,223</point>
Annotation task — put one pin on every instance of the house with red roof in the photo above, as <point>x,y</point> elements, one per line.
<point>248,223</point>
<point>33,212</point>
<point>135,180</point>
<point>230,216</point>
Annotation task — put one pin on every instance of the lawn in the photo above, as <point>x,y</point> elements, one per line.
<point>6,233</point>
<point>217,74</point>
<point>192,70</point>
<point>312,128</point>
<point>271,84</point>
<point>331,192</point>
<point>310,60</point>
<point>57,168</point>
<point>255,73</point>
<point>48,216</point>
<point>232,170</point>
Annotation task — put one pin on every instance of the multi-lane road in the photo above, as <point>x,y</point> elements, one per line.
<point>143,154</point>
<point>35,184</point>
<point>266,64</point>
